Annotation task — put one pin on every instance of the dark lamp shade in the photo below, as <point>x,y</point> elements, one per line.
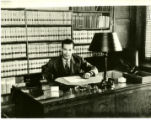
<point>105,42</point>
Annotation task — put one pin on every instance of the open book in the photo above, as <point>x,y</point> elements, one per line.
<point>77,80</point>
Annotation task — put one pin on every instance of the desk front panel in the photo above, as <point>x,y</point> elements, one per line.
<point>126,100</point>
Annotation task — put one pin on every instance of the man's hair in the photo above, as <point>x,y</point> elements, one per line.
<point>67,41</point>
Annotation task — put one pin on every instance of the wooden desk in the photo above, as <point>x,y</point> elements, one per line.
<point>126,100</point>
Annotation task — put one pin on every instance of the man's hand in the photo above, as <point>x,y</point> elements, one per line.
<point>86,75</point>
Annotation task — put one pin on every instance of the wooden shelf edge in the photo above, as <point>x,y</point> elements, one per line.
<point>13,42</point>
<point>14,25</point>
<point>91,29</point>
<point>91,12</point>
<point>12,59</point>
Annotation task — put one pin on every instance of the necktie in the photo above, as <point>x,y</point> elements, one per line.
<point>67,67</point>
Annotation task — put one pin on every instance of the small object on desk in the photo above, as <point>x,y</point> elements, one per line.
<point>20,85</point>
<point>106,84</point>
<point>25,90</point>
<point>71,90</point>
<point>54,88</point>
<point>116,74</point>
<point>121,80</point>
<point>43,81</point>
<point>45,87</point>
<point>35,91</point>
<point>110,83</point>
<point>95,89</point>
<point>54,91</point>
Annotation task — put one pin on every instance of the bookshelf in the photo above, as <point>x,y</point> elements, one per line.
<point>85,22</point>
<point>30,37</point>
<point>13,49</point>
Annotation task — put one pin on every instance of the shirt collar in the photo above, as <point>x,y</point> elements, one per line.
<point>65,61</point>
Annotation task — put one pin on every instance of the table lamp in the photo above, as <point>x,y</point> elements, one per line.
<point>105,43</point>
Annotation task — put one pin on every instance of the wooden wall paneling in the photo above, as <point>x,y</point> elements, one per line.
<point>122,28</point>
<point>122,23</point>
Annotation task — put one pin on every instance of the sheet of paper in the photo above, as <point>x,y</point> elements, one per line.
<point>74,79</point>
<point>77,80</point>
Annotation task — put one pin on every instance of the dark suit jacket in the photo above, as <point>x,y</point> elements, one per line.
<point>54,68</point>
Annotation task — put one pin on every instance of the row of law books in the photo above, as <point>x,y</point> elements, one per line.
<point>18,17</point>
<point>81,49</point>
<point>91,20</point>
<point>63,8</point>
<point>48,33</point>
<point>13,34</point>
<point>86,54</point>
<point>9,17</point>
<point>13,68</point>
<point>48,17</point>
<point>44,50</point>
<point>85,36</point>
<point>13,51</point>
<point>89,54</point>
<point>37,50</point>
<point>16,34</point>
<point>45,54</point>
<point>91,8</point>
<point>35,65</point>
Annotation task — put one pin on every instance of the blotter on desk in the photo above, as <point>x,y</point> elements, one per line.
<point>78,81</point>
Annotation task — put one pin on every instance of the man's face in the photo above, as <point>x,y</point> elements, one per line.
<point>67,51</point>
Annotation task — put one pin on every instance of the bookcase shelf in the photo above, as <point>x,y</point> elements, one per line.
<point>42,58</point>
<point>13,25</point>
<point>13,42</point>
<point>48,25</point>
<point>45,41</point>
<point>12,59</point>
<point>100,12</point>
<point>17,9</point>
<point>6,94</point>
<point>48,10</point>
<point>8,76</point>
<point>79,44</point>
<point>90,29</point>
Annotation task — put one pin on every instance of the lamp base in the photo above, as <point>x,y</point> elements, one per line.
<point>106,83</point>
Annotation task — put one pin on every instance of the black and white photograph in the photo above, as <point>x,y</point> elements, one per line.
<point>79,59</point>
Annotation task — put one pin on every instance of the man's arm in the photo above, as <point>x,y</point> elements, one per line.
<point>89,69</point>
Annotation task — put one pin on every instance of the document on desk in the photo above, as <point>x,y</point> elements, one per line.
<point>77,80</point>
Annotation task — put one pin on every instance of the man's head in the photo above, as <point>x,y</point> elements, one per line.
<point>67,48</point>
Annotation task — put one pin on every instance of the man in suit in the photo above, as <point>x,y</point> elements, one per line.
<point>68,64</point>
